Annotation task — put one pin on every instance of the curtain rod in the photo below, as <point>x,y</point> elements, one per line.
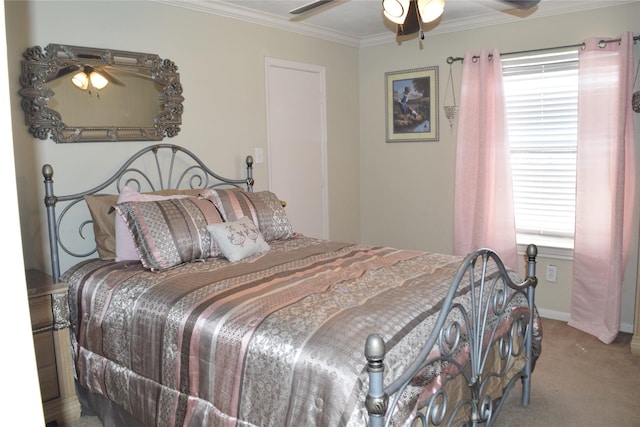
<point>601,43</point>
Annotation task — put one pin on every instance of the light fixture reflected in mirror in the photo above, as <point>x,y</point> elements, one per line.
<point>81,80</point>
<point>88,74</point>
<point>98,80</point>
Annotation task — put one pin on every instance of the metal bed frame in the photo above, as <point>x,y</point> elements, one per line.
<point>184,171</point>
<point>456,330</point>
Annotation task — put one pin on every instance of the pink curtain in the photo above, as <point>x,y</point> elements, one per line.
<point>605,186</point>
<point>483,211</point>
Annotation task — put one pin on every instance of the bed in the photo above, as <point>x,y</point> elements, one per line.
<point>198,304</point>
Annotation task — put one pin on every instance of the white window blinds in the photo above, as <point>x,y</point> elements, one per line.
<point>542,116</point>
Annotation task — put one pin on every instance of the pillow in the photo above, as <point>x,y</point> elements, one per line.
<point>263,207</point>
<point>238,239</point>
<point>104,228</point>
<point>170,232</point>
<point>125,247</point>
<point>104,220</point>
<point>230,202</point>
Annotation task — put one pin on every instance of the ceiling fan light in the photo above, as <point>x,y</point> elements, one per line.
<point>98,80</point>
<point>395,10</point>
<point>430,10</point>
<point>80,80</point>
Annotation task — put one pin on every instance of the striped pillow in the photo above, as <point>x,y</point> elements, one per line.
<point>125,247</point>
<point>104,221</point>
<point>171,232</point>
<point>263,207</point>
<point>232,204</point>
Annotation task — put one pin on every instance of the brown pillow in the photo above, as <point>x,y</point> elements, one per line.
<point>104,219</point>
<point>104,224</point>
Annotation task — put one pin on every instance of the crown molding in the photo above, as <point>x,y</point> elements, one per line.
<point>230,11</point>
<point>254,17</point>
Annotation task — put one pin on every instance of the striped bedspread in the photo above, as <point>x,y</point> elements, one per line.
<point>274,340</point>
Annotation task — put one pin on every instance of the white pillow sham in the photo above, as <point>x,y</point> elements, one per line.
<point>238,239</point>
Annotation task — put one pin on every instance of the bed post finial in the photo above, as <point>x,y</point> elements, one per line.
<point>47,171</point>
<point>532,253</point>
<point>249,161</point>
<point>377,400</point>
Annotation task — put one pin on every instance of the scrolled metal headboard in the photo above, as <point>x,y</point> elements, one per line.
<point>171,167</point>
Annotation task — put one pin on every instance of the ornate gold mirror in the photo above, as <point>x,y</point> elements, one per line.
<point>81,94</point>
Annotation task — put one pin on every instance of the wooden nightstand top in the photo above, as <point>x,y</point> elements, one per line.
<point>40,283</point>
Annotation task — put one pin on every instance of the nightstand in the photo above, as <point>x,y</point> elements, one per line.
<point>50,325</point>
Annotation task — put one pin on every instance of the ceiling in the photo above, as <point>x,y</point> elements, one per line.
<point>360,22</point>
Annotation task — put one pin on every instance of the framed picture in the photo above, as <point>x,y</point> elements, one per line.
<point>412,105</point>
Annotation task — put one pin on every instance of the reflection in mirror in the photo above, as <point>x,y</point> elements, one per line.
<point>133,104</point>
<point>141,98</point>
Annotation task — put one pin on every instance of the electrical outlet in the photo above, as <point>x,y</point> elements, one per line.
<point>552,273</point>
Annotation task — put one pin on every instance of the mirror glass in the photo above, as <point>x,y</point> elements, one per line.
<point>141,98</point>
<point>133,104</point>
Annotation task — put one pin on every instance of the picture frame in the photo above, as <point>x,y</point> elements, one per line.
<point>412,105</point>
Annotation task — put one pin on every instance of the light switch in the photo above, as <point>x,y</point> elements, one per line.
<point>258,154</point>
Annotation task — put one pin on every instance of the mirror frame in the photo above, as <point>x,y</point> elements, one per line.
<point>40,67</point>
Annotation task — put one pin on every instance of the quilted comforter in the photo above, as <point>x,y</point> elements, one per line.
<point>274,340</point>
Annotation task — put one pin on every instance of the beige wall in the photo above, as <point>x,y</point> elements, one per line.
<point>17,366</point>
<point>221,65</point>
<point>397,194</point>
<point>407,188</point>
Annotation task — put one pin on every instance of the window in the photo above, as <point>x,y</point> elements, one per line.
<point>541,93</point>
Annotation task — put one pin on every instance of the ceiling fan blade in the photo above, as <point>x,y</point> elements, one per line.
<point>65,71</point>
<point>521,4</point>
<point>133,71</point>
<point>109,76</point>
<point>309,6</point>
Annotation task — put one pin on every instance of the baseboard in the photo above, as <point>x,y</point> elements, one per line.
<point>564,317</point>
<point>635,345</point>
<point>553,314</point>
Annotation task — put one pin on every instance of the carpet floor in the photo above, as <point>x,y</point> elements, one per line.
<point>578,382</point>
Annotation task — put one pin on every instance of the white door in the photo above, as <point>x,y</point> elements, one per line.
<point>296,143</point>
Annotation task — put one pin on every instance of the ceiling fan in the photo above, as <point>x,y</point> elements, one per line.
<point>85,74</point>
<point>89,70</point>
<point>407,14</point>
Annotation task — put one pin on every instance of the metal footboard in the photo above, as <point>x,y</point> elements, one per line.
<point>475,329</point>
